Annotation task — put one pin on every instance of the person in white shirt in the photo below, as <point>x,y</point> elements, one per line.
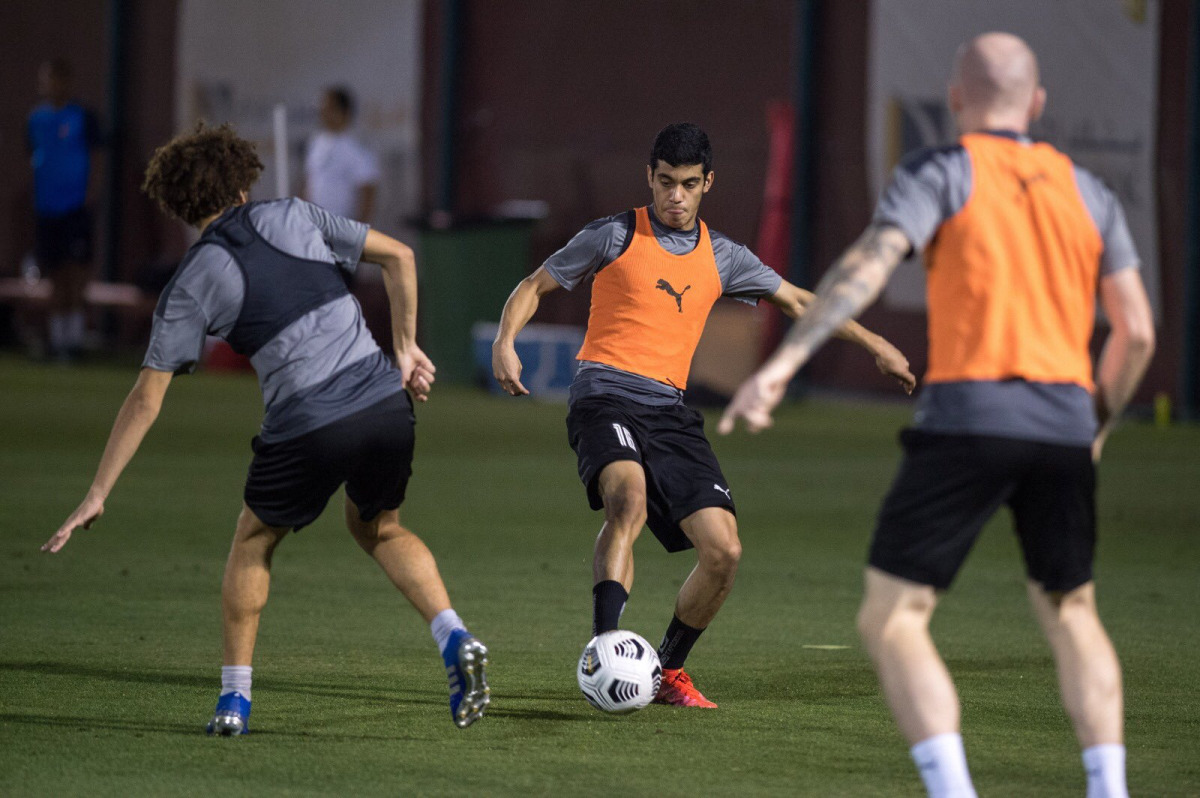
<point>340,173</point>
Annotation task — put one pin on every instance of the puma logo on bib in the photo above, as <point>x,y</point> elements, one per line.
<point>663,285</point>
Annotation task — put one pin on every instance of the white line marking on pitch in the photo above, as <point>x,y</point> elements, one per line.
<point>826,648</point>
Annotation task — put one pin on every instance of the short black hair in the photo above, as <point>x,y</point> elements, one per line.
<point>682,144</point>
<point>343,98</point>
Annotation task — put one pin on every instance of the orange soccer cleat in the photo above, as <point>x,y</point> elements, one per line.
<point>678,691</point>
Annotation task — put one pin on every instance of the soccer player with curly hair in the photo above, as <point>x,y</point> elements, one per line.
<point>270,278</point>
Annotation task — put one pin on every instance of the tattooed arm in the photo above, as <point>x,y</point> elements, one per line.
<point>847,289</point>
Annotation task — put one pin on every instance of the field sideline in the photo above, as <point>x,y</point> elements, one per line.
<point>110,655</point>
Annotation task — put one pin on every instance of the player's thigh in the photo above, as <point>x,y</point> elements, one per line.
<point>947,488</point>
<point>605,438</point>
<point>713,531</point>
<point>1054,512</point>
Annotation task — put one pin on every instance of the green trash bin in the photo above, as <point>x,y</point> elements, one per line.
<point>466,272</point>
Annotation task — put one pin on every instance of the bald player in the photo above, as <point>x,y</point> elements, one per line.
<point>1017,241</point>
<point>656,272</point>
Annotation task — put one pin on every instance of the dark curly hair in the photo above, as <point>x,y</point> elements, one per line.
<point>200,173</point>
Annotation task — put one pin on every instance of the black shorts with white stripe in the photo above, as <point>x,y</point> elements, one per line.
<point>682,473</point>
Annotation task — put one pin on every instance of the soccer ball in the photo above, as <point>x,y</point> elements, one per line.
<point>619,672</point>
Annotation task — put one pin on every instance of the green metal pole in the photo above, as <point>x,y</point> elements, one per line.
<point>804,46</point>
<point>1190,377</point>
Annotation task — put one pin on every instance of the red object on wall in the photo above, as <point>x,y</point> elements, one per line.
<point>775,232</point>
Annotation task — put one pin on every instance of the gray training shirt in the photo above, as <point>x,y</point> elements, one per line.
<point>927,188</point>
<point>322,367</point>
<point>743,277</point>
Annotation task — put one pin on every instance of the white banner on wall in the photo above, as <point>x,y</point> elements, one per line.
<point>238,61</point>
<point>1099,64</point>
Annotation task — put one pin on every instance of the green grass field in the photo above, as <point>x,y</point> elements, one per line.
<point>110,650</point>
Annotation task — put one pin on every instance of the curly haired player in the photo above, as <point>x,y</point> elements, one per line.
<point>270,278</point>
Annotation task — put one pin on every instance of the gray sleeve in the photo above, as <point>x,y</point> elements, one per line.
<point>1105,209</point>
<point>345,237</point>
<point>592,248</point>
<point>204,298</point>
<point>927,188</point>
<point>743,276</point>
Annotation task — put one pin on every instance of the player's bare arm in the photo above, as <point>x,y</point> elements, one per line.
<point>518,310</point>
<point>136,416</point>
<point>847,289</point>
<point>400,281</point>
<point>1127,351</point>
<point>793,300</point>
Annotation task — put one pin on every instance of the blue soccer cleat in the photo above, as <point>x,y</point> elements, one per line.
<point>465,658</point>
<point>231,717</point>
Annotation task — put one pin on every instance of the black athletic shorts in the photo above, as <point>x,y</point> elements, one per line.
<point>371,451</point>
<point>59,239</point>
<point>682,473</point>
<point>950,485</point>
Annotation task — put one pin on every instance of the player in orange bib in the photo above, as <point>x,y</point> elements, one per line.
<point>643,457</point>
<point>1017,242</point>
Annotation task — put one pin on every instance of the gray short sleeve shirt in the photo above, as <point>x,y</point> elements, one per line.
<point>205,296</point>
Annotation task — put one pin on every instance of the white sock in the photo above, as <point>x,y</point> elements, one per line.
<point>58,332</point>
<point>236,679</point>
<point>443,624</point>
<point>943,766</point>
<point>1105,766</point>
<point>76,326</point>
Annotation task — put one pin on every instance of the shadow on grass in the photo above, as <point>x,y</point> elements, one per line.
<point>138,728</point>
<point>177,679</point>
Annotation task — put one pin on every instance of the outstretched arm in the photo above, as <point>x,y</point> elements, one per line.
<point>400,280</point>
<point>518,310</point>
<point>793,301</point>
<point>845,291</point>
<point>135,418</point>
<point>1127,351</point>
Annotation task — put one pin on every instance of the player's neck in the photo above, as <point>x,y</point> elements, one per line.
<point>985,121</point>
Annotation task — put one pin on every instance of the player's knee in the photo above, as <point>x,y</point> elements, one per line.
<point>721,557</point>
<point>625,508</point>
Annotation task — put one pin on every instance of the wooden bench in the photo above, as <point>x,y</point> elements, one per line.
<point>31,299</point>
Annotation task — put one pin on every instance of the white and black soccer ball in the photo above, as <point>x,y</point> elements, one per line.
<point>619,672</point>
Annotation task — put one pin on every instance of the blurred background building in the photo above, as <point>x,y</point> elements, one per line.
<point>503,126</point>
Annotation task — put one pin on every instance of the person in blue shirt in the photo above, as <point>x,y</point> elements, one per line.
<point>62,136</point>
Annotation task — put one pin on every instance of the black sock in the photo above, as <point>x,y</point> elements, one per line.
<point>677,644</point>
<point>608,602</point>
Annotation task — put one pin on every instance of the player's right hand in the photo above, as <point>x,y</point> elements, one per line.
<point>506,368</point>
<point>83,517</point>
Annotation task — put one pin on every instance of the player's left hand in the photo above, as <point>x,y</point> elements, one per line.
<point>892,362</point>
<point>418,372</point>
<point>754,401</point>
<point>84,516</point>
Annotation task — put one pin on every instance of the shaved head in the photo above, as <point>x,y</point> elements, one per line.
<point>996,75</point>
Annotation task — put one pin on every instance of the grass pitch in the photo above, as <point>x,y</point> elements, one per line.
<point>110,650</point>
